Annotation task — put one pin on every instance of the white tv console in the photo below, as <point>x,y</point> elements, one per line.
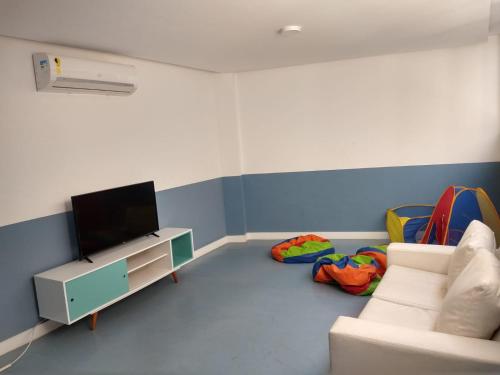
<point>78,289</point>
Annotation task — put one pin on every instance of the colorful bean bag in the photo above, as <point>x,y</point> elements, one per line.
<point>357,274</point>
<point>302,249</point>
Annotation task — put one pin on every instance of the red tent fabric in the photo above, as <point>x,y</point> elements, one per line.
<point>457,207</point>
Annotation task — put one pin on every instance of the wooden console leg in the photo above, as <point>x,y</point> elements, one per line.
<point>174,276</point>
<point>93,321</point>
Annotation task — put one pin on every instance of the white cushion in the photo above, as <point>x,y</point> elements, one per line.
<point>377,310</point>
<point>412,287</point>
<point>477,236</point>
<point>472,305</point>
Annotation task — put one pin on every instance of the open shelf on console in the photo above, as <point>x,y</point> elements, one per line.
<point>149,273</point>
<point>140,260</point>
<point>182,250</point>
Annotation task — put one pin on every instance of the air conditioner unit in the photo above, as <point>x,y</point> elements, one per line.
<point>67,74</point>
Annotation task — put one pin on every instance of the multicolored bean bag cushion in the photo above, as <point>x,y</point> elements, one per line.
<point>302,249</point>
<point>357,274</point>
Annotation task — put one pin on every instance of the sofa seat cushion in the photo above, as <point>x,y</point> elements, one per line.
<point>412,287</point>
<point>377,310</point>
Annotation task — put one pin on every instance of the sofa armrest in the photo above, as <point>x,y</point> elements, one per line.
<point>432,258</point>
<point>364,347</point>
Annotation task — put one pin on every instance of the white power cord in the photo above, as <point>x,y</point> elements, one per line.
<point>9,365</point>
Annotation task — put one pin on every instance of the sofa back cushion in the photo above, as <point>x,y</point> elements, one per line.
<point>477,236</point>
<point>496,335</point>
<point>472,305</point>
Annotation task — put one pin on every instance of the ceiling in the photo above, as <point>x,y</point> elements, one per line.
<point>240,35</point>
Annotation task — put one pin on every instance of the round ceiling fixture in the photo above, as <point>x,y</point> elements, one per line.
<point>290,30</point>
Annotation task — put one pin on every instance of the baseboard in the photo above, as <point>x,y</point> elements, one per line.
<point>329,235</point>
<point>23,338</point>
<point>218,243</point>
<point>237,238</point>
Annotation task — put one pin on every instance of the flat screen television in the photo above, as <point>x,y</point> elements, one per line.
<point>110,217</point>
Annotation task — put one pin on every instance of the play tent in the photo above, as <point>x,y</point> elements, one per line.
<point>407,223</point>
<point>456,208</point>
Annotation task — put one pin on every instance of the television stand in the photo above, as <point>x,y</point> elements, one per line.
<point>156,235</point>
<point>88,259</point>
<point>75,290</point>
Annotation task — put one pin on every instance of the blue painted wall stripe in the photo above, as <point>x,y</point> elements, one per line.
<point>353,199</point>
<point>199,206</point>
<point>340,200</point>
<point>234,205</point>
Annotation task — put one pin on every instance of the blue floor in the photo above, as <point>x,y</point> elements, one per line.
<point>235,311</point>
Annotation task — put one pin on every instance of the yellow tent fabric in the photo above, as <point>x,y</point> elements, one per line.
<point>404,223</point>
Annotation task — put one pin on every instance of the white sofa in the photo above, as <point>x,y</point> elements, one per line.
<point>394,334</point>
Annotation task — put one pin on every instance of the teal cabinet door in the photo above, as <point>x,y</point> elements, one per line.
<point>97,288</point>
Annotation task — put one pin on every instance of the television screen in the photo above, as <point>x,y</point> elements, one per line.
<point>110,217</point>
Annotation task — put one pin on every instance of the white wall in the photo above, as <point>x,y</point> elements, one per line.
<point>229,129</point>
<point>427,107</point>
<point>55,145</point>
<point>184,126</point>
